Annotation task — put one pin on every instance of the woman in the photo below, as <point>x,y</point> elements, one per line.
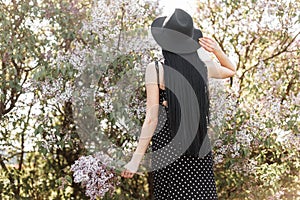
<point>183,168</point>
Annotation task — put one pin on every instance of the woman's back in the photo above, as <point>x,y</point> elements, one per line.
<point>188,177</point>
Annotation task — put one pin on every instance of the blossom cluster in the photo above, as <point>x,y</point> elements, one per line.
<point>265,116</point>
<point>96,174</point>
<point>120,30</point>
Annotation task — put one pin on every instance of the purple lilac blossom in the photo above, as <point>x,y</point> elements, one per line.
<point>95,174</point>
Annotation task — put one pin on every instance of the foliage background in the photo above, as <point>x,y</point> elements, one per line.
<point>46,45</point>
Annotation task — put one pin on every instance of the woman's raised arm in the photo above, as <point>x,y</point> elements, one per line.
<point>227,68</point>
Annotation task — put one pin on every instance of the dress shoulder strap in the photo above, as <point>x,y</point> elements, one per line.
<point>157,71</point>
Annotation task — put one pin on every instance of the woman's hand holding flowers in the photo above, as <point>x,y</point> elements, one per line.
<point>132,166</point>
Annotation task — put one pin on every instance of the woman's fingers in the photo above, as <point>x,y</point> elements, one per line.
<point>213,44</point>
<point>209,44</point>
<point>127,174</point>
<point>130,175</point>
<point>207,41</point>
<point>165,103</point>
<point>206,46</point>
<point>204,43</point>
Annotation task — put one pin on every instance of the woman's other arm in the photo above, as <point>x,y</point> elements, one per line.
<point>150,122</point>
<point>151,118</point>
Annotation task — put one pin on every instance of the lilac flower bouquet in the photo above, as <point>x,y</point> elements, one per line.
<point>96,174</point>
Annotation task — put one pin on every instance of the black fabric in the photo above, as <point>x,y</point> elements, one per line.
<point>197,34</point>
<point>177,34</point>
<point>178,177</point>
<point>195,72</point>
<point>157,72</point>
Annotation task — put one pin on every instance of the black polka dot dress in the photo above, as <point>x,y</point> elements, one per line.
<point>187,177</point>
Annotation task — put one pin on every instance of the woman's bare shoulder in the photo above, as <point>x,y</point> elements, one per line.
<point>151,66</point>
<point>151,73</point>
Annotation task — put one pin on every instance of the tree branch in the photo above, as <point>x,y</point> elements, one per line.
<point>122,26</point>
<point>288,88</point>
<point>283,50</point>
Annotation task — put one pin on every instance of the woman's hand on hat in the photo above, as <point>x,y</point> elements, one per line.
<point>209,44</point>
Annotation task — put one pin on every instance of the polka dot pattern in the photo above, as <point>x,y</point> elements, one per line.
<point>187,177</point>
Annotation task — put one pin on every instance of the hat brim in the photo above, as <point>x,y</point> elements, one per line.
<point>172,40</point>
<point>197,34</point>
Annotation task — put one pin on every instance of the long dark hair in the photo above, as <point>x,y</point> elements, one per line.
<point>195,72</point>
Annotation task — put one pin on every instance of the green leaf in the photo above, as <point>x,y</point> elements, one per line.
<point>69,179</point>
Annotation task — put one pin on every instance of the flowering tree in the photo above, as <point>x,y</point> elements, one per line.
<point>109,62</point>
<point>32,32</point>
<point>258,138</point>
<point>51,45</point>
<point>59,56</point>
<point>63,44</point>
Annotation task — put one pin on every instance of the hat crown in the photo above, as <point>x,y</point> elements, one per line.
<point>177,34</point>
<point>181,21</point>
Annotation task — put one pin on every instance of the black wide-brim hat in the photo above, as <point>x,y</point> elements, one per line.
<point>176,37</point>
